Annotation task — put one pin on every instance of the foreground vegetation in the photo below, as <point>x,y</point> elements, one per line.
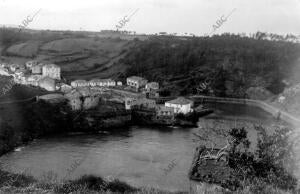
<point>267,170</point>
<point>21,183</point>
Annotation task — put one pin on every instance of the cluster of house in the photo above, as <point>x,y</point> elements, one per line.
<point>168,110</point>
<point>33,73</point>
<point>150,89</point>
<point>95,82</point>
<point>86,94</point>
<point>139,84</point>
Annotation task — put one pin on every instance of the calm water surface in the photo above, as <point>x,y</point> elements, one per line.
<point>137,155</point>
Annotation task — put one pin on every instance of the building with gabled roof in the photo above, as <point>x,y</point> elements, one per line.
<point>180,105</point>
<point>102,82</point>
<point>52,71</point>
<point>79,83</point>
<point>136,82</point>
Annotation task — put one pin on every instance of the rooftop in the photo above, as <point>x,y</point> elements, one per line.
<point>79,81</point>
<point>180,100</point>
<point>101,80</point>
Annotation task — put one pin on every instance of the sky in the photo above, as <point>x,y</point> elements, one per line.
<point>153,16</point>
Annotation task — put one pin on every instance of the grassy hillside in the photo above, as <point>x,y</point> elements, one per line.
<point>80,55</point>
<point>230,64</point>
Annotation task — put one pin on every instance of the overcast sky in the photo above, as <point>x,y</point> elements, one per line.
<point>180,16</point>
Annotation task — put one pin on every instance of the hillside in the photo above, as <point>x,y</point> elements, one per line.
<point>222,65</point>
<point>230,64</point>
<point>80,56</point>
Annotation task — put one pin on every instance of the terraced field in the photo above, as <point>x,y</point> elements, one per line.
<point>79,58</point>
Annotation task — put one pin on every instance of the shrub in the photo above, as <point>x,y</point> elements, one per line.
<point>267,165</point>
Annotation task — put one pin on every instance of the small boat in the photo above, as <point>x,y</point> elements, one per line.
<point>202,110</point>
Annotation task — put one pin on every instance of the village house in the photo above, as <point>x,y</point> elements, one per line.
<point>52,71</point>
<point>163,112</point>
<point>47,83</point>
<point>180,105</point>
<point>139,103</point>
<point>74,100</point>
<point>19,73</point>
<point>129,102</point>
<point>37,69</point>
<point>30,64</point>
<point>4,65</point>
<point>119,83</point>
<point>30,80</point>
<point>136,82</point>
<point>90,97</point>
<point>146,103</point>
<point>14,67</point>
<point>79,83</point>
<point>152,86</point>
<point>94,82</point>
<point>151,89</point>
<point>65,88</point>
<point>102,82</point>
<point>4,71</point>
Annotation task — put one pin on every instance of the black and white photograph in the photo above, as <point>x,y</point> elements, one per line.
<point>150,96</point>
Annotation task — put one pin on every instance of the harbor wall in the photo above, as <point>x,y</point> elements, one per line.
<point>276,112</point>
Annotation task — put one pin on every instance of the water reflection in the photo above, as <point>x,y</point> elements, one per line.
<point>137,155</point>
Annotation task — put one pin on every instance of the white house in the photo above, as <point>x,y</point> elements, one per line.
<point>79,83</point>
<point>180,105</point>
<point>136,82</point>
<point>30,79</point>
<point>151,89</point>
<point>152,86</point>
<point>14,67</point>
<point>65,88</point>
<point>102,82</point>
<point>4,71</point>
<point>52,71</point>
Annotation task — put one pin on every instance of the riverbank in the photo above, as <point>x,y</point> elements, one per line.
<point>138,153</point>
<point>21,123</point>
